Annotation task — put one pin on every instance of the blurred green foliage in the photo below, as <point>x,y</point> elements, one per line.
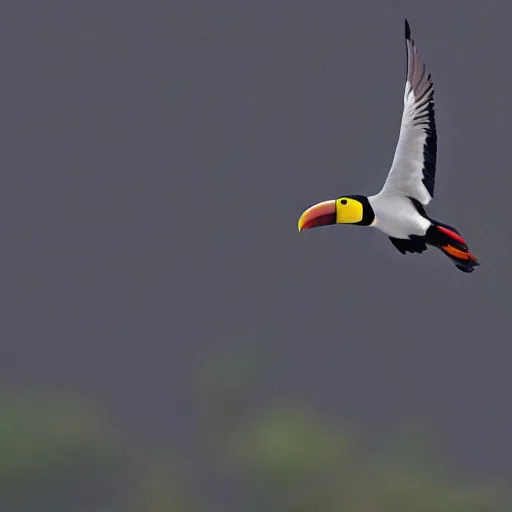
<point>44,435</point>
<point>302,465</point>
<point>286,447</point>
<point>49,449</point>
<point>63,456</point>
<point>159,488</point>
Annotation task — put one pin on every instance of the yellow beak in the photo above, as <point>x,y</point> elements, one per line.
<point>321,214</point>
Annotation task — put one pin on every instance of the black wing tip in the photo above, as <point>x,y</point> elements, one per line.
<point>407,30</point>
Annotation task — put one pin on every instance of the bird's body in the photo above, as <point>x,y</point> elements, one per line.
<point>398,210</point>
<point>397,216</point>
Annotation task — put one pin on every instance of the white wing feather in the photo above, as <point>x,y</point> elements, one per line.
<point>413,169</point>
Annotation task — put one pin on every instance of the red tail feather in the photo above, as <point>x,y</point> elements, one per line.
<point>452,234</point>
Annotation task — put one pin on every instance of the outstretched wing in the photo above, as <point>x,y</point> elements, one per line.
<point>413,170</point>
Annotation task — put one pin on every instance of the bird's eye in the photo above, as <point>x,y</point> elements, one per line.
<point>343,201</point>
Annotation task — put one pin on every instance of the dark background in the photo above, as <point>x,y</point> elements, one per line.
<point>156,158</point>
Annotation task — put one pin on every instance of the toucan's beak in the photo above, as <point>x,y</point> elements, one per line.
<point>322,214</point>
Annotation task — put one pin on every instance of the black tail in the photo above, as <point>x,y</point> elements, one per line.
<point>451,243</point>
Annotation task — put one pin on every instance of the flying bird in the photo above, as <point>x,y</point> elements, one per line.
<point>398,210</point>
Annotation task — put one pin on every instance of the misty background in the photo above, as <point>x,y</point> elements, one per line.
<point>156,158</point>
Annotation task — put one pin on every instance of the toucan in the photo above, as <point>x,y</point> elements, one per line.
<point>398,210</point>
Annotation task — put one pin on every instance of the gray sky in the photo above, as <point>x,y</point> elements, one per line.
<point>156,159</point>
